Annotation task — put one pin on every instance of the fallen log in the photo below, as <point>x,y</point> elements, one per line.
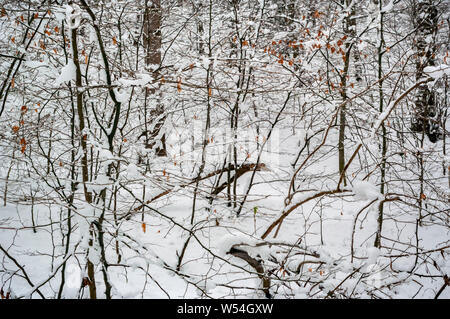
<point>257,265</point>
<point>238,173</point>
<point>241,170</point>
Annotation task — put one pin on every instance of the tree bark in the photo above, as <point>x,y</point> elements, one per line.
<point>349,32</point>
<point>152,44</point>
<point>425,113</point>
<point>84,161</point>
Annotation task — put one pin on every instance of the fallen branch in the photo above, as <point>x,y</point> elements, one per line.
<point>446,283</point>
<point>256,264</point>
<point>239,172</point>
<point>293,207</point>
<point>23,271</point>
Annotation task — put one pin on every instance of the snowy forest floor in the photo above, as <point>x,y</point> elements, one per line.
<point>329,227</point>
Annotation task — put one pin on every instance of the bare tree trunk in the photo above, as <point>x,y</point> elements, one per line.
<point>152,45</point>
<point>7,178</point>
<point>425,113</point>
<point>84,161</point>
<point>383,127</point>
<point>349,32</point>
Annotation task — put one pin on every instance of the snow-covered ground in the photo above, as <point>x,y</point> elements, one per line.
<point>253,104</point>
<point>329,228</point>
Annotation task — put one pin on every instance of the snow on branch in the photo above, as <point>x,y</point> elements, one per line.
<point>383,116</point>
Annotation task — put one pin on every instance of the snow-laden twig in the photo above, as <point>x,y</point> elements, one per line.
<point>383,116</point>
<point>27,278</point>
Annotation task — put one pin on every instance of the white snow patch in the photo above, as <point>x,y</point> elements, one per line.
<point>228,241</point>
<point>364,190</point>
<point>68,73</point>
<point>372,254</point>
<point>388,7</point>
<point>73,16</point>
<point>437,72</point>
